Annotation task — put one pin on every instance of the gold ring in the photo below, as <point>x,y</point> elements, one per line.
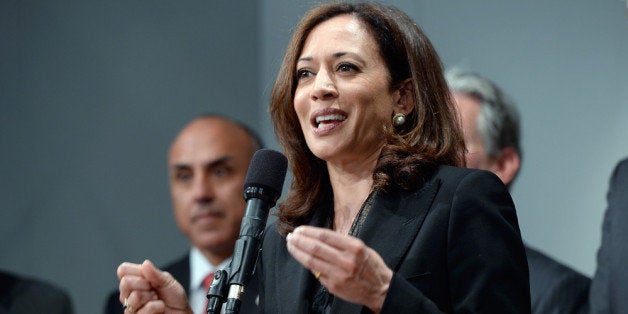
<point>126,305</point>
<point>317,274</point>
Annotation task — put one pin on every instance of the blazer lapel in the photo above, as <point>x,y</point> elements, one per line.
<point>397,218</point>
<point>292,286</point>
<point>390,227</point>
<point>296,292</point>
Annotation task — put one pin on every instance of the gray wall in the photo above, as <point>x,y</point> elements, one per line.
<point>92,93</point>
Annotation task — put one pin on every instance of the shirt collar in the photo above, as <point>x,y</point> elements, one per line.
<point>200,267</point>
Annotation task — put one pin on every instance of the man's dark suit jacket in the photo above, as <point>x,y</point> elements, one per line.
<point>453,244</point>
<point>21,295</point>
<point>180,270</point>
<point>554,287</point>
<point>609,288</point>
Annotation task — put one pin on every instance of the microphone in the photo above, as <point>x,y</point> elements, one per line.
<point>262,188</point>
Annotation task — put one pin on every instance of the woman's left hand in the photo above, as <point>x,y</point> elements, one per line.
<point>343,264</point>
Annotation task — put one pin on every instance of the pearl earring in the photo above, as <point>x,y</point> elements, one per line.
<point>399,119</point>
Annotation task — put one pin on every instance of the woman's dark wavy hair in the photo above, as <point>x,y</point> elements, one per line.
<point>430,137</point>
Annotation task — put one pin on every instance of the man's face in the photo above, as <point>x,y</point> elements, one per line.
<point>469,110</point>
<point>207,167</point>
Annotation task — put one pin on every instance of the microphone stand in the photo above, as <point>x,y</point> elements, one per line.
<point>247,247</point>
<point>261,191</point>
<point>217,292</point>
<point>234,302</point>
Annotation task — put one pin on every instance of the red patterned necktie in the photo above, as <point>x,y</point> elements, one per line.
<point>206,283</point>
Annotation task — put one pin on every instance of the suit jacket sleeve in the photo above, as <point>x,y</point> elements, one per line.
<point>554,287</point>
<point>609,286</point>
<point>112,305</point>
<point>487,270</point>
<point>28,295</point>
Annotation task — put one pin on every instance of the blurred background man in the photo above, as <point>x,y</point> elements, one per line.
<point>491,130</point>
<point>207,166</point>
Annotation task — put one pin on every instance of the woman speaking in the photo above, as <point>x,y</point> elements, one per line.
<point>379,217</point>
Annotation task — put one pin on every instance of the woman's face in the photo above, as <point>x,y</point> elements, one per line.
<point>343,97</point>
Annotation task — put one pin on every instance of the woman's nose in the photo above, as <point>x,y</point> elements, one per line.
<point>324,86</point>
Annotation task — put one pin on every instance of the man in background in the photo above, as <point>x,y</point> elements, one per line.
<point>490,125</point>
<point>207,166</point>
<point>609,289</point>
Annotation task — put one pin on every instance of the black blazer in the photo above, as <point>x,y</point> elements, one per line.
<point>180,270</point>
<point>609,288</point>
<point>28,295</point>
<point>554,287</point>
<point>454,246</point>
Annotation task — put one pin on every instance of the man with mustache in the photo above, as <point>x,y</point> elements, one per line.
<point>207,166</point>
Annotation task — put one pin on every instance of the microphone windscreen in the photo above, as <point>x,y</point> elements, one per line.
<point>267,170</point>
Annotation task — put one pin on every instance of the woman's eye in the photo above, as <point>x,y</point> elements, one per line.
<point>303,73</point>
<point>347,67</point>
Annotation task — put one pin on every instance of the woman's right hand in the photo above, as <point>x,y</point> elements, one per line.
<point>343,264</point>
<point>146,289</point>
